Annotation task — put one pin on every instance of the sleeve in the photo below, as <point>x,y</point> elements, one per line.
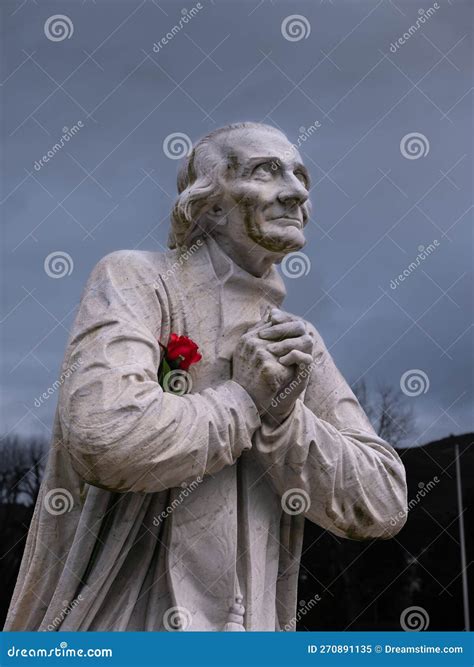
<point>326,460</point>
<point>122,431</point>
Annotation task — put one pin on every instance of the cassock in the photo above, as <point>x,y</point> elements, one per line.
<point>161,511</point>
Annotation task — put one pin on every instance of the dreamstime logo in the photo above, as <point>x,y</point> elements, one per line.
<point>303,373</point>
<point>295,501</point>
<point>177,145</point>
<point>414,382</point>
<point>423,253</point>
<point>58,27</point>
<point>178,382</point>
<point>58,264</point>
<point>65,611</point>
<point>295,27</point>
<point>414,619</point>
<point>177,618</point>
<point>176,502</point>
<point>57,383</point>
<point>304,607</point>
<point>295,265</point>
<point>306,132</point>
<point>60,651</point>
<point>182,259</point>
<point>186,16</point>
<point>58,501</point>
<point>423,16</point>
<point>423,490</point>
<point>68,133</point>
<point>414,145</point>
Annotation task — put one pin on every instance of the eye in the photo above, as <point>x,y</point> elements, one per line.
<point>303,178</point>
<point>265,170</point>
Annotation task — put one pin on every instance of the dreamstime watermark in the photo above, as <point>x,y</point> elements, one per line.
<point>186,16</point>
<point>178,382</point>
<point>303,373</point>
<point>177,618</point>
<point>58,264</point>
<point>304,608</point>
<point>423,491</point>
<point>295,501</point>
<point>423,253</point>
<point>68,133</point>
<point>305,133</point>
<point>414,382</point>
<point>65,611</point>
<point>61,651</point>
<point>414,619</point>
<point>182,259</point>
<point>296,265</point>
<point>58,501</point>
<point>177,145</point>
<point>58,28</point>
<point>295,28</point>
<point>57,383</point>
<point>414,145</point>
<point>423,16</point>
<point>183,494</point>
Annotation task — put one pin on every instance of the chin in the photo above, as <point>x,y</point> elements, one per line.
<point>277,239</point>
<point>290,240</point>
<point>282,243</point>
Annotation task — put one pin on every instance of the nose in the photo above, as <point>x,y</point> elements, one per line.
<point>293,194</point>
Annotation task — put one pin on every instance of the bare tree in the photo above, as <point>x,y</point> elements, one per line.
<point>22,462</point>
<point>388,411</point>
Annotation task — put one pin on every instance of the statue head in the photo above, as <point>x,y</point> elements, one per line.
<point>244,184</point>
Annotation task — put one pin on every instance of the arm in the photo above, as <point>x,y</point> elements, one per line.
<point>122,431</point>
<point>351,481</point>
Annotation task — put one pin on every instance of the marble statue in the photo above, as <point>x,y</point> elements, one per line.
<point>165,508</point>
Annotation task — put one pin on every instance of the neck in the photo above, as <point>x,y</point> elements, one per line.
<point>252,258</point>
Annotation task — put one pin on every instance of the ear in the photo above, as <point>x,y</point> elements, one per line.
<point>216,214</point>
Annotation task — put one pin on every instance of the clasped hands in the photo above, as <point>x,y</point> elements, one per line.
<point>272,363</point>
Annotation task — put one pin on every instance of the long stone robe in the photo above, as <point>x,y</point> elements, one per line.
<point>173,504</point>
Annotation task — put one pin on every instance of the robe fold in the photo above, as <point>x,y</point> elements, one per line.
<point>173,506</point>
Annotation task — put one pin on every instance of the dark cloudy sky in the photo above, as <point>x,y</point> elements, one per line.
<point>112,185</point>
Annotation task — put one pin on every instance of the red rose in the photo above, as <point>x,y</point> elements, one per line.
<point>184,350</point>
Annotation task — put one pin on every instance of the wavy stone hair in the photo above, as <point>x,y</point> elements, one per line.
<point>199,182</point>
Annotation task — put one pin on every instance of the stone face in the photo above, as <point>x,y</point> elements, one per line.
<point>183,509</point>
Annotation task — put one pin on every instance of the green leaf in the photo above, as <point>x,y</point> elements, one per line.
<point>163,371</point>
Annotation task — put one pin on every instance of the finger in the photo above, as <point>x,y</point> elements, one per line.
<point>278,316</point>
<point>296,357</point>
<point>263,324</point>
<point>291,329</point>
<point>302,343</point>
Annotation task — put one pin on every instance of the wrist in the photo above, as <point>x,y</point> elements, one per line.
<point>274,417</point>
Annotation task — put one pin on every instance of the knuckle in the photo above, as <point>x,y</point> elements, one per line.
<point>267,368</point>
<point>252,343</point>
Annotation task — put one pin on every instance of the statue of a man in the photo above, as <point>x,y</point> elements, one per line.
<point>184,511</point>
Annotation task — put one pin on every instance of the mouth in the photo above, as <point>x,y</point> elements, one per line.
<point>288,221</point>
